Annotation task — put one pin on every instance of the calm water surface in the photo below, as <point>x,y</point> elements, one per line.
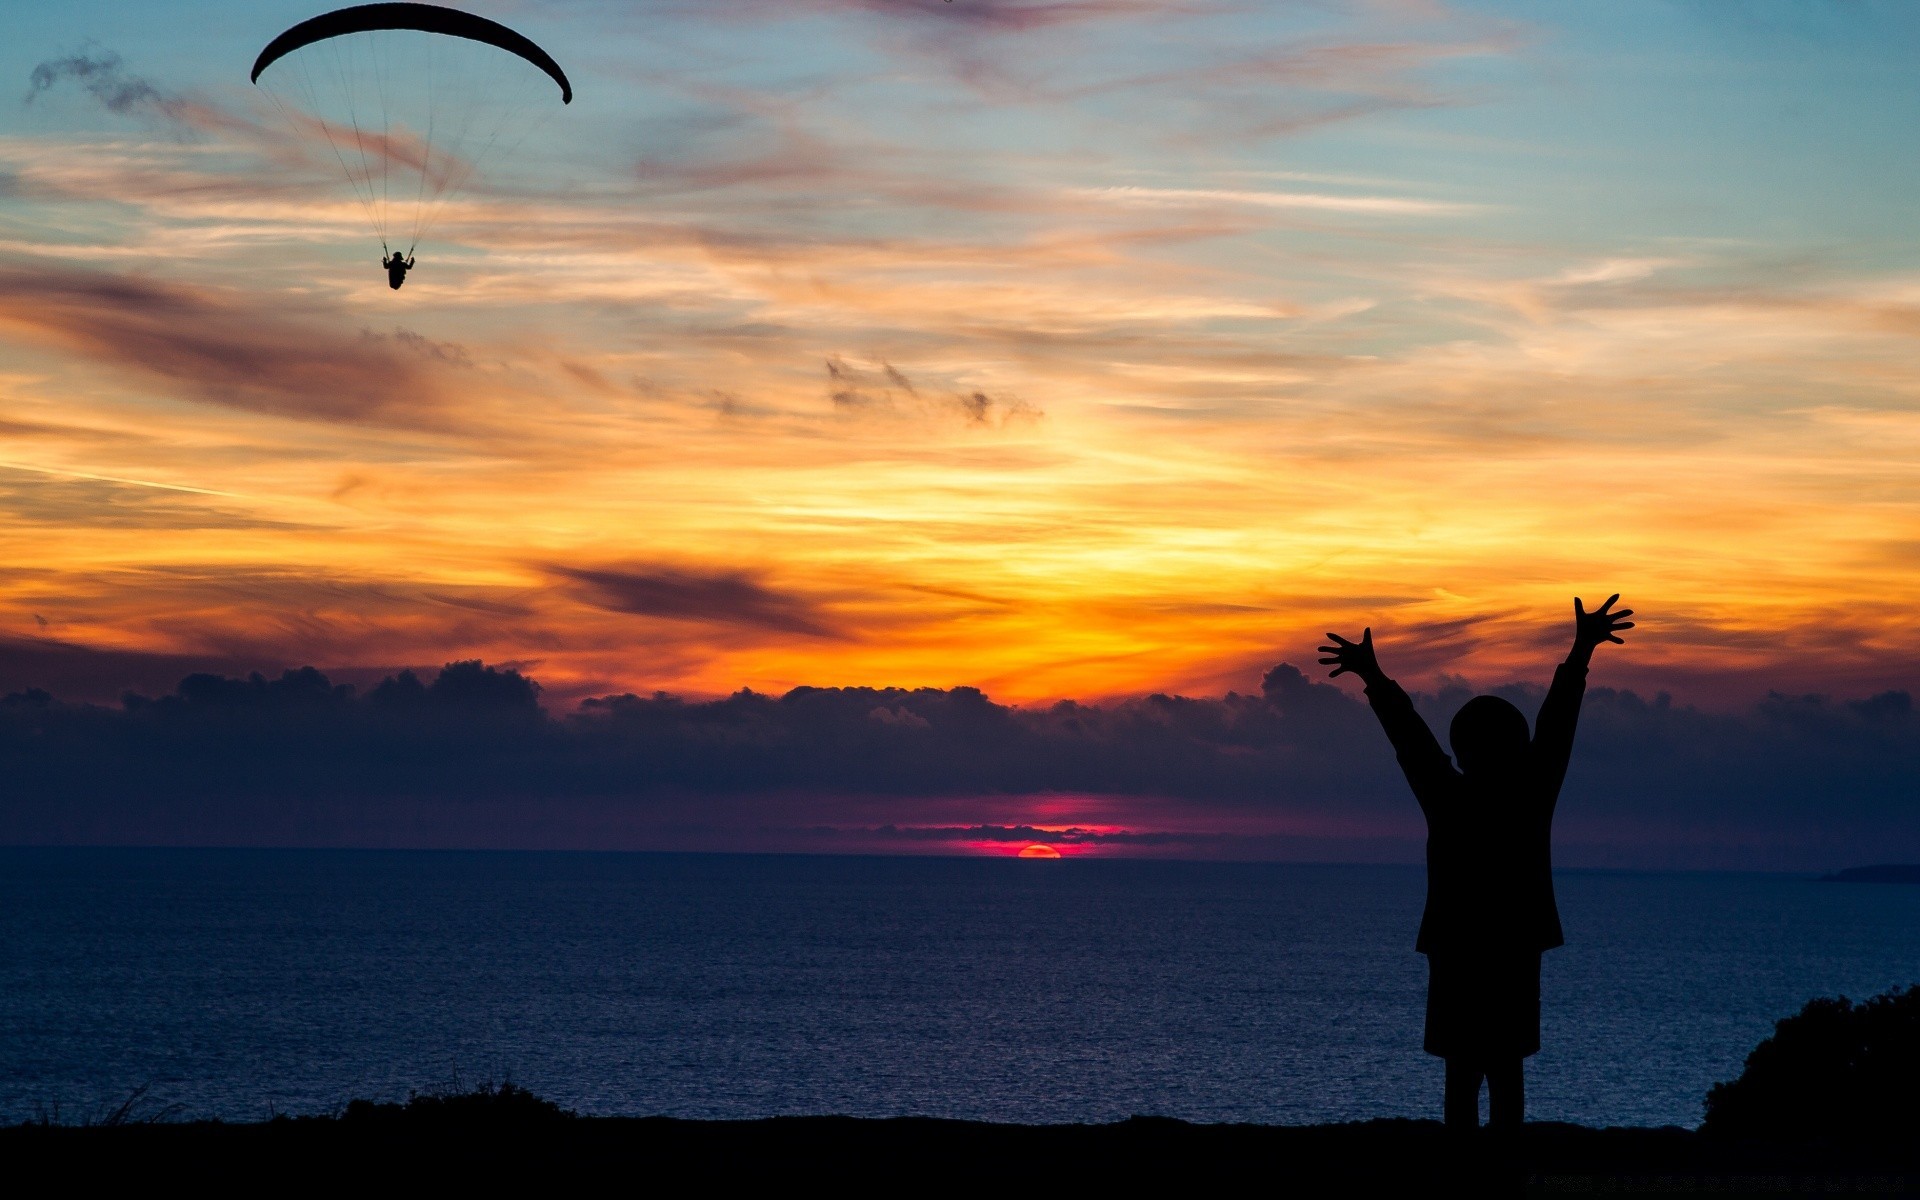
<point>720,986</point>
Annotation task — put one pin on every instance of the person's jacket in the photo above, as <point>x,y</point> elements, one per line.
<point>1489,850</point>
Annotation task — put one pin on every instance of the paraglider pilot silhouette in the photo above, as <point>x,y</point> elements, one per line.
<point>397,268</point>
<point>409,100</point>
<point>1490,910</point>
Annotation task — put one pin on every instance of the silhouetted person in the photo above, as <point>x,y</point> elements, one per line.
<point>1490,911</point>
<point>397,268</point>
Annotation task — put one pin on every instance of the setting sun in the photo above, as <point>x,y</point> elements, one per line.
<point>1039,850</point>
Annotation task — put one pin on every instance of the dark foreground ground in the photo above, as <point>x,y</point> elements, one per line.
<point>380,1152</point>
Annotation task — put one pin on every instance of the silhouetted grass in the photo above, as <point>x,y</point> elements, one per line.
<point>1825,1105</point>
<point>137,1109</point>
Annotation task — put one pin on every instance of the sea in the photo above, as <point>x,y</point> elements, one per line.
<point>236,984</point>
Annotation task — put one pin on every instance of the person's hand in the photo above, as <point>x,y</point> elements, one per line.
<point>1357,657</point>
<point>1601,625</point>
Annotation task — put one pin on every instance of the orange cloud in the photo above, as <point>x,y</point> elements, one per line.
<point>746,392</point>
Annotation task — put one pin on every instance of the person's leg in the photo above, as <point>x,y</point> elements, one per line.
<point>1462,1108</point>
<point>1506,1093</point>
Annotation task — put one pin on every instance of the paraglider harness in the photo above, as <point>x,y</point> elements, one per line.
<point>397,266</point>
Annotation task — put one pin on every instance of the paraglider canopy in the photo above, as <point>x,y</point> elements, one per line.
<point>410,100</point>
<point>427,18</point>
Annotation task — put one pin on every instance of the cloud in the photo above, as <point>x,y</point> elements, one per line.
<point>78,433</point>
<point>1017,16</point>
<point>1330,202</point>
<point>235,616</point>
<point>885,389</point>
<point>1072,835</point>
<point>1223,84</point>
<point>1792,781</point>
<point>26,663</point>
<point>715,597</point>
<point>218,347</point>
<point>104,76</point>
<point>987,16</point>
<point>38,498</point>
<point>452,354</point>
<point>1214,450</point>
<point>853,390</point>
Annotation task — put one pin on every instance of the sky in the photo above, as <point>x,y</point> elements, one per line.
<point>1062,349</point>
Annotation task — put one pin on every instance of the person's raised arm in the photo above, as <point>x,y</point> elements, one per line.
<point>1560,712</point>
<point>1419,752</point>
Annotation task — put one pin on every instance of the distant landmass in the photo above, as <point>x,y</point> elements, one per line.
<point>1883,873</point>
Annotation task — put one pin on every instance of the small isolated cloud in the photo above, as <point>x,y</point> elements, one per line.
<point>854,390</point>
<point>1073,835</point>
<point>103,74</point>
<point>452,354</point>
<point>735,598</point>
<point>978,408</point>
<point>885,389</point>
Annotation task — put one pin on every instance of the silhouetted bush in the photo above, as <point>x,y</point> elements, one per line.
<point>485,1105</point>
<point>1836,1071</point>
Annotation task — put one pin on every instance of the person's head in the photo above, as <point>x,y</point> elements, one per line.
<point>1489,736</point>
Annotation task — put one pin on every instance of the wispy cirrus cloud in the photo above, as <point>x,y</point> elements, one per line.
<point>47,499</point>
<point>1011,16</point>
<point>1318,201</point>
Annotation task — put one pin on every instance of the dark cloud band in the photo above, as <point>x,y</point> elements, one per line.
<point>1803,781</point>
